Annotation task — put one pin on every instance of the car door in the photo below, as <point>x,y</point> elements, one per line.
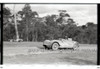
<point>67,43</point>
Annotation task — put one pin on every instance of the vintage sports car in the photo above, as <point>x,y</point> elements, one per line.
<point>61,43</point>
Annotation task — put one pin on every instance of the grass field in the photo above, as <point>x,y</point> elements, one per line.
<point>34,53</point>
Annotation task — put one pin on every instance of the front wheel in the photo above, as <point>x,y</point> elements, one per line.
<point>45,47</point>
<point>55,46</point>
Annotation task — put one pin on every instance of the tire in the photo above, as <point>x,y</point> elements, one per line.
<point>55,46</point>
<point>45,47</point>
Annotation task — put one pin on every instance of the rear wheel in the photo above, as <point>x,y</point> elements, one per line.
<point>45,47</point>
<point>55,46</point>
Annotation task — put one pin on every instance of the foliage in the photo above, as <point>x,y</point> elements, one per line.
<point>31,27</point>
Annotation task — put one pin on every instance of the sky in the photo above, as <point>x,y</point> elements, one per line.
<point>81,13</point>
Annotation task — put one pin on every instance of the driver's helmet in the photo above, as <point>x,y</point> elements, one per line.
<point>66,37</point>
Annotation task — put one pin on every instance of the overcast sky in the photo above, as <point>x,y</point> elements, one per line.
<point>81,13</point>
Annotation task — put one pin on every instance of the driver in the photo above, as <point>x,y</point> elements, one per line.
<point>66,37</point>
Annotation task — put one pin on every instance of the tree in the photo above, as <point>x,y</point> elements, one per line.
<point>27,16</point>
<point>8,28</point>
<point>6,15</point>
<point>91,32</point>
<point>64,18</point>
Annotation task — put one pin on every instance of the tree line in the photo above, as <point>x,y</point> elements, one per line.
<point>31,27</point>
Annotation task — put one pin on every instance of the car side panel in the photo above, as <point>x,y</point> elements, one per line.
<point>66,44</point>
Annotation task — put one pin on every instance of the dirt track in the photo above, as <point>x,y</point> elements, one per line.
<point>34,53</point>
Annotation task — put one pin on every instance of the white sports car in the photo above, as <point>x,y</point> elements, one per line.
<point>61,43</point>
